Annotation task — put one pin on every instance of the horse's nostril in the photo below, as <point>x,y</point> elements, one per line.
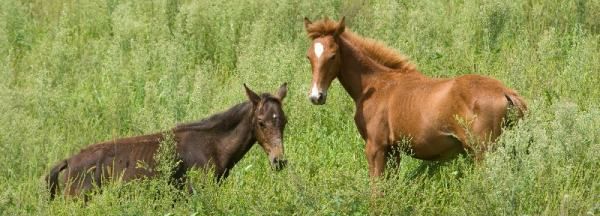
<point>279,163</point>
<point>315,100</point>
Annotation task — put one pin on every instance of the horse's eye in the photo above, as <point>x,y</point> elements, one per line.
<point>332,57</point>
<point>261,123</point>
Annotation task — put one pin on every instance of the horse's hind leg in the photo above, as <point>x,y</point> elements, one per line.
<point>485,131</point>
<point>487,125</point>
<point>78,187</point>
<point>92,181</point>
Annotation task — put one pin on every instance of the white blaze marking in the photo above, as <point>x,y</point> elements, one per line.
<point>318,49</point>
<point>314,92</point>
<point>274,116</point>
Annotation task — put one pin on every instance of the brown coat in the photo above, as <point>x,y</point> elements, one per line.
<point>395,102</point>
<point>217,142</point>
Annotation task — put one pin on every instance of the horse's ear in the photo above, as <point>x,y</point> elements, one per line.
<point>282,92</point>
<point>254,98</point>
<point>341,26</point>
<point>307,23</point>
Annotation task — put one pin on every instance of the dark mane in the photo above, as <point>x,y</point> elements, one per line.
<point>223,120</point>
<point>228,118</point>
<point>269,97</point>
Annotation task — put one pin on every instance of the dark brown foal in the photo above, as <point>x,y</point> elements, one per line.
<point>217,142</point>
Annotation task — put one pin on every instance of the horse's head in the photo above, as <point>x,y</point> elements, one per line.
<point>269,122</point>
<point>324,55</point>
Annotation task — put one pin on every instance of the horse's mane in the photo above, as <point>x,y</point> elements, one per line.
<point>321,28</point>
<point>226,119</point>
<point>376,50</point>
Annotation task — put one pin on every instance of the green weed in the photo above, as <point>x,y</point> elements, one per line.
<point>79,72</point>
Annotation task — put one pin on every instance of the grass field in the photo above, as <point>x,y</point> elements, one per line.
<point>76,72</point>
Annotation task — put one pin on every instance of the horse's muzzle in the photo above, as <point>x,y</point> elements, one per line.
<point>278,164</point>
<point>318,99</point>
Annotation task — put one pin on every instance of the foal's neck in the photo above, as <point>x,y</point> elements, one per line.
<point>238,140</point>
<point>230,133</point>
<point>359,73</point>
<point>357,70</point>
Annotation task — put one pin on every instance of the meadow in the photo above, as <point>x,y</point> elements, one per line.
<point>77,72</point>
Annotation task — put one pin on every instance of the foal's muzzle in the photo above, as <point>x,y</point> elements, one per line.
<point>318,98</point>
<point>278,164</point>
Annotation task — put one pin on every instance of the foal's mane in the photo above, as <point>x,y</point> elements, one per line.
<point>376,50</point>
<point>220,121</point>
<point>228,118</point>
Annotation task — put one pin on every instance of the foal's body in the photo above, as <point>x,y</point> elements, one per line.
<point>431,106</point>
<point>133,157</point>
<point>395,102</point>
<point>218,142</point>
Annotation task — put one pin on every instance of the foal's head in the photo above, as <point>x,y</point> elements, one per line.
<point>324,55</point>
<point>269,122</point>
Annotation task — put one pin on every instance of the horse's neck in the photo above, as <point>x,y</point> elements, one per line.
<point>357,70</point>
<point>360,74</point>
<point>236,142</point>
<point>231,136</point>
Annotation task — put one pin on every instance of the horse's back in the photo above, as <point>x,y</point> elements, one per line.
<point>126,158</point>
<point>434,113</point>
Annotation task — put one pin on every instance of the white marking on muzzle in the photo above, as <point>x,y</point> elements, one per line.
<point>319,49</point>
<point>314,92</point>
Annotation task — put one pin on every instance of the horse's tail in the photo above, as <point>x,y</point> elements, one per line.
<point>516,108</point>
<point>52,178</point>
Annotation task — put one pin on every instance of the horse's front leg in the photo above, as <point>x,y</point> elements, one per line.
<point>376,158</point>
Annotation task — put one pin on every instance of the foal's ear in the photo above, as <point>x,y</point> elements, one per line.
<point>341,26</point>
<point>282,92</point>
<point>307,23</point>
<point>251,95</point>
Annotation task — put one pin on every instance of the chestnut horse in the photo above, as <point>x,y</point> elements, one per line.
<point>396,104</point>
<point>217,142</point>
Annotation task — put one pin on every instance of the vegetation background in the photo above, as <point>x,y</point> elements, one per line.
<point>76,72</point>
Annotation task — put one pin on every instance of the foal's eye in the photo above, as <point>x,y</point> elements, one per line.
<point>261,123</point>
<point>332,57</point>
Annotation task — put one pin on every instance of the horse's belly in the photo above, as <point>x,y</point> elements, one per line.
<point>435,148</point>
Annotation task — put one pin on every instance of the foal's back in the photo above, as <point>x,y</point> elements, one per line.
<point>436,112</point>
<point>126,159</point>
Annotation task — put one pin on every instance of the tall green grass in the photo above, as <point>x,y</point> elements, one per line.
<point>78,72</point>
